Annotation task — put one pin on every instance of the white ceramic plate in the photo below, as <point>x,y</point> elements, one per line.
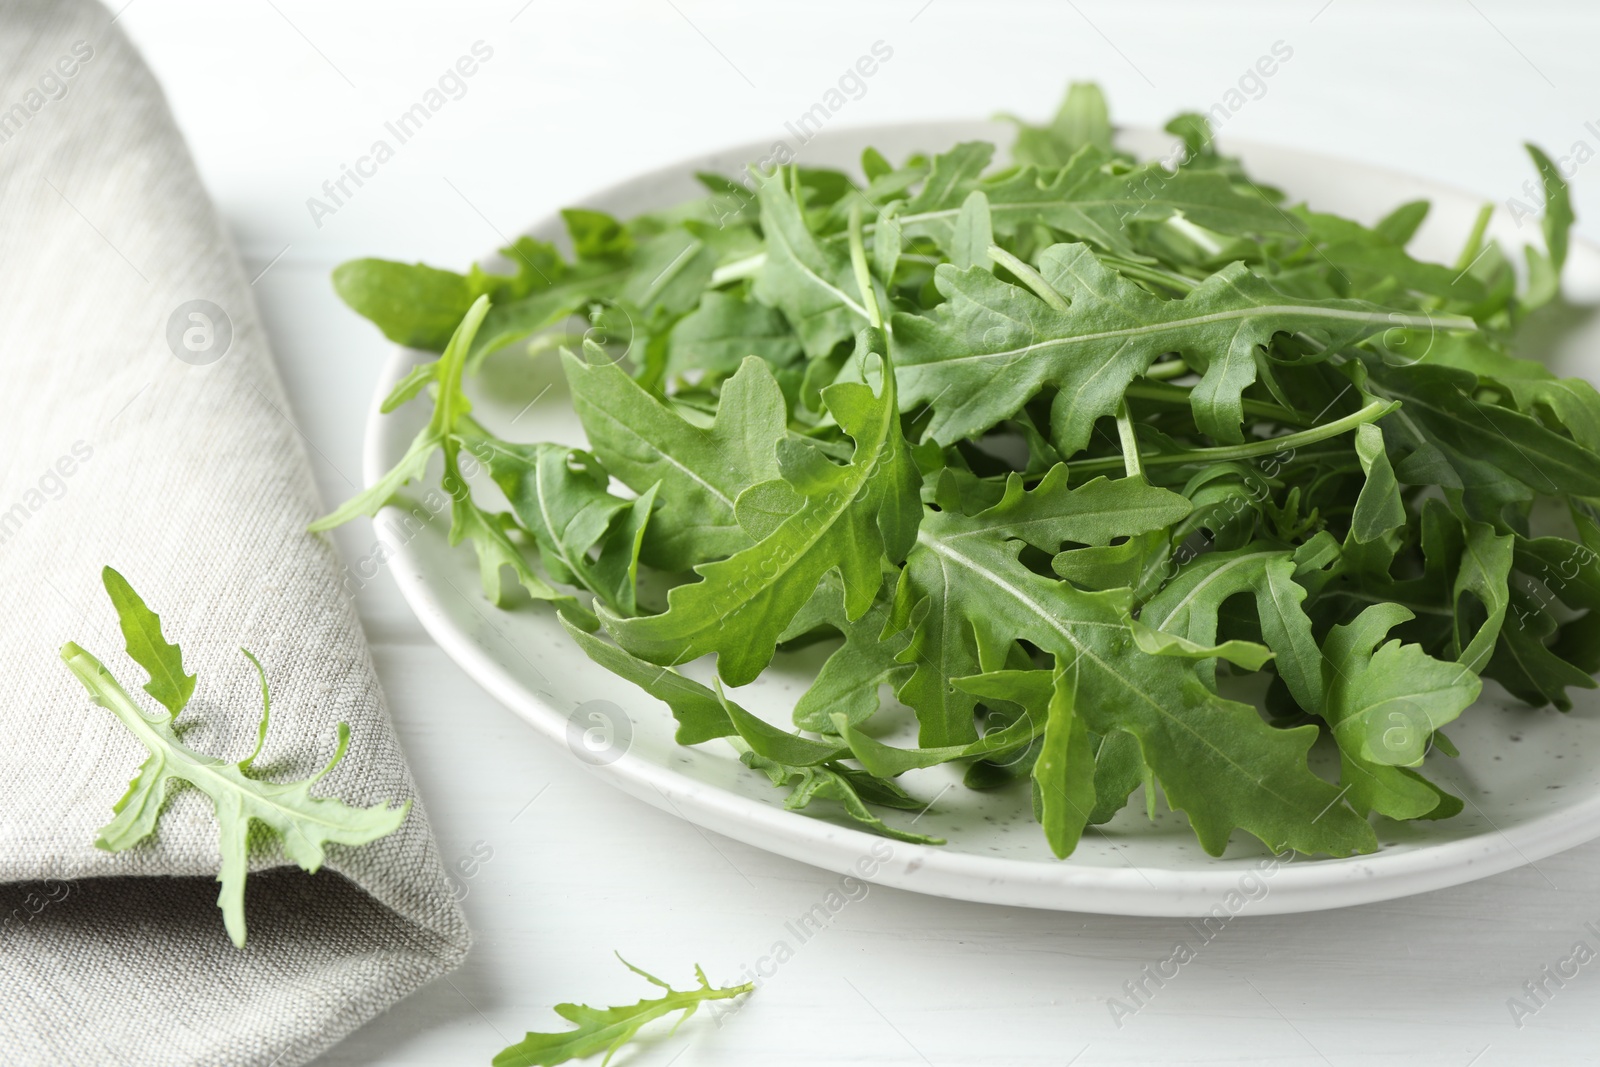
<point>1530,784</point>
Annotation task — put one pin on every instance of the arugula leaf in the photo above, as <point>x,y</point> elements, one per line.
<point>1379,508</point>
<point>973,233</point>
<point>559,495</point>
<point>1440,400</point>
<point>1063,775</point>
<point>886,761</point>
<point>834,781</point>
<point>1385,702</point>
<point>1216,759</point>
<point>1089,201</point>
<point>1544,270</point>
<point>701,714</point>
<point>413,304</point>
<point>302,823</point>
<point>1082,120</point>
<point>993,345</point>
<point>141,630</point>
<point>608,1029</point>
<point>812,283</point>
<point>490,534</point>
<point>449,408</point>
<point>725,329</point>
<point>700,470</point>
<point>946,642</point>
<point>819,516</point>
<point>847,683</point>
<point>420,306</point>
<point>1189,604</point>
<point>1484,573</point>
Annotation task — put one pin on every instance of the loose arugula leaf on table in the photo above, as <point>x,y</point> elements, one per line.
<point>608,1029</point>
<point>302,823</point>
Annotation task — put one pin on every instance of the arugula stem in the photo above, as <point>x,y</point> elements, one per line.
<point>858,260</point>
<point>1200,237</point>
<point>1146,273</point>
<point>1130,441</point>
<point>750,266</point>
<point>1029,277</point>
<point>1162,393</point>
<point>1172,368</point>
<point>1371,413</point>
<point>739,269</point>
<point>1474,245</point>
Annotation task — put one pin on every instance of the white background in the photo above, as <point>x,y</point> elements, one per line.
<point>276,95</point>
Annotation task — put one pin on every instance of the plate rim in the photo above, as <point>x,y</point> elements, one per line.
<point>1308,885</point>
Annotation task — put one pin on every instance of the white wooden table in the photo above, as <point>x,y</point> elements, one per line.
<point>277,96</point>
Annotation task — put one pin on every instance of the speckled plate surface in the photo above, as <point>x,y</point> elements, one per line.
<point>1531,778</point>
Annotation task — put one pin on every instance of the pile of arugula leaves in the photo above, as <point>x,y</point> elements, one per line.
<point>1066,451</point>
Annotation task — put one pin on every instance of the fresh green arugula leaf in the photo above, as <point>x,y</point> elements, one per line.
<point>141,631</point>
<point>413,304</point>
<point>608,1029</point>
<point>302,823</point>
<point>701,714</point>
<point>1189,605</point>
<point>450,406</point>
<point>819,516</point>
<point>946,641</point>
<point>725,329</point>
<point>993,346</point>
<point>834,781</point>
<point>559,496</point>
<point>490,534</point>
<point>1385,701</point>
<point>701,470</point>
<point>1082,120</point>
<point>811,282</point>
<point>1063,775</point>
<point>847,683</point>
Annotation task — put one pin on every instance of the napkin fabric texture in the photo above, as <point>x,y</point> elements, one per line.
<point>134,434</point>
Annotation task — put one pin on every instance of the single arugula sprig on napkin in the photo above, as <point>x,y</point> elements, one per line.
<point>608,1029</point>
<point>1063,451</point>
<point>303,823</point>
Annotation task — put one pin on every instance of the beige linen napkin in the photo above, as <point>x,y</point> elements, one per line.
<point>142,426</point>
